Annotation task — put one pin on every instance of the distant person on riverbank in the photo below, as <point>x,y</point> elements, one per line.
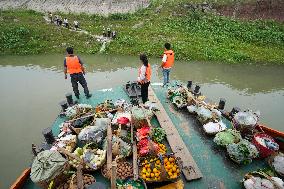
<point>59,21</point>
<point>65,22</point>
<point>144,77</point>
<point>76,24</point>
<point>167,63</point>
<point>74,66</point>
<point>50,16</point>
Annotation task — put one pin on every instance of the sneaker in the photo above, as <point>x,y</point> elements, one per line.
<point>89,96</point>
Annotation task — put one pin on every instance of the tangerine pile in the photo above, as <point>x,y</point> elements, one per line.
<point>151,173</point>
<point>162,148</point>
<point>171,167</point>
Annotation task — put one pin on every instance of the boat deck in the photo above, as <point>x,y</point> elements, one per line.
<point>217,169</point>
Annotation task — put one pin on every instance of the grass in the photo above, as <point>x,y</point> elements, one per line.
<point>194,35</point>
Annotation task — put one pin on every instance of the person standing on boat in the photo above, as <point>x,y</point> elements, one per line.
<point>144,77</point>
<point>74,66</point>
<point>167,63</point>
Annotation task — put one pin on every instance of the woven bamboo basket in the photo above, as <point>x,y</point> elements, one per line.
<point>57,179</point>
<point>271,159</point>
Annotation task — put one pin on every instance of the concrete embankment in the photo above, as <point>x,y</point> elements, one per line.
<point>103,7</point>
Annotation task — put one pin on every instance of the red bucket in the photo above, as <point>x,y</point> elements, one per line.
<point>263,150</point>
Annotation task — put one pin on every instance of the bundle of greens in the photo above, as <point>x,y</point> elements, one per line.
<point>226,137</point>
<point>158,134</point>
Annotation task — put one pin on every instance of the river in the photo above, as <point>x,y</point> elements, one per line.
<point>32,86</point>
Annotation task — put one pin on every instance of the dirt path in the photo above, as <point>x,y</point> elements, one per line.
<point>100,38</point>
<point>103,7</point>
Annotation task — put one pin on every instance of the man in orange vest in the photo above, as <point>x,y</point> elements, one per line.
<point>167,63</point>
<point>74,66</point>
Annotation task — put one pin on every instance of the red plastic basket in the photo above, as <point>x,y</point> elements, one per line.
<point>263,150</point>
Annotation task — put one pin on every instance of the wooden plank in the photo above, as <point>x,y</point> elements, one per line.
<point>134,149</point>
<point>109,149</point>
<point>190,168</point>
<point>113,174</point>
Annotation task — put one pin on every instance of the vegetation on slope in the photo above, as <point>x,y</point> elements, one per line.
<point>195,35</point>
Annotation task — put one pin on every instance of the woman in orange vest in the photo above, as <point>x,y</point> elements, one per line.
<point>74,66</point>
<point>167,62</point>
<point>144,77</point>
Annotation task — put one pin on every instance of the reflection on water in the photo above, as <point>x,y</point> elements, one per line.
<point>32,86</point>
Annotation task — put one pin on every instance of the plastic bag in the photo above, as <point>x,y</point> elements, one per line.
<point>245,120</point>
<point>213,128</point>
<point>95,133</point>
<point>46,166</point>
<point>192,108</point>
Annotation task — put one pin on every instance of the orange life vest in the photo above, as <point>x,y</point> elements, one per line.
<point>73,65</point>
<point>170,59</point>
<point>147,74</point>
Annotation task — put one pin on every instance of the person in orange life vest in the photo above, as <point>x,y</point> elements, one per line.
<point>144,77</point>
<point>167,63</point>
<point>74,66</point>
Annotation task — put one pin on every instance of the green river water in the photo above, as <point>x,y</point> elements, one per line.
<point>32,86</point>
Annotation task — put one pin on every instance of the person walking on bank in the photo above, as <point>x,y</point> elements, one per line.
<point>74,66</point>
<point>144,77</point>
<point>167,63</point>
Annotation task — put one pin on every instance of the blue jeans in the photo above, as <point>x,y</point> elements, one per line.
<point>166,75</point>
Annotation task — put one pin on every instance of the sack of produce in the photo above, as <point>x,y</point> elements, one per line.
<point>140,116</point>
<point>204,115</point>
<point>95,133</point>
<point>107,106</point>
<point>152,106</point>
<point>226,137</point>
<point>125,149</point>
<point>49,166</point>
<point>276,162</point>
<point>192,109</point>
<point>68,142</point>
<point>214,128</point>
<point>158,134</point>
<point>91,157</point>
<point>245,122</point>
<point>242,152</point>
<point>262,180</point>
<point>123,170</point>
<point>179,101</point>
<point>78,110</point>
<point>265,144</point>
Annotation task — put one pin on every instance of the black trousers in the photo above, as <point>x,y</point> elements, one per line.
<point>79,77</point>
<point>144,91</point>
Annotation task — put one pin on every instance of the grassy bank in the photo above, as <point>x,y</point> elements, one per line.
<point>194,35</point>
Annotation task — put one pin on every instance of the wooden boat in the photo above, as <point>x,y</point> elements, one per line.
<point>217,169</point>
<point>277,135</point>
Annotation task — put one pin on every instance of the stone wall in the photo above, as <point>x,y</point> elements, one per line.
<point>103,7</point>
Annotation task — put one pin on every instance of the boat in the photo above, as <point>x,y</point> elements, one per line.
<point>216,168</point>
